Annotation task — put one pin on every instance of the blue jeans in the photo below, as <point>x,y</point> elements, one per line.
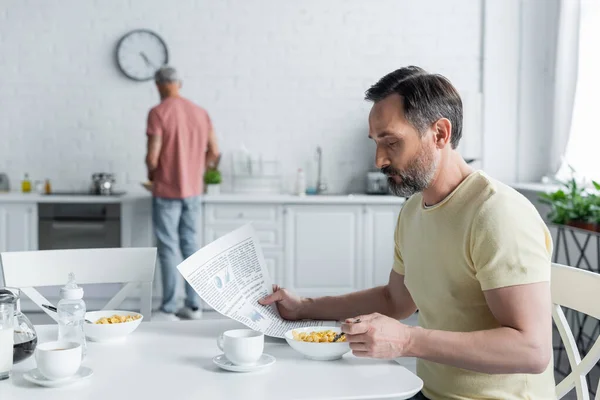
<point>175,229</point>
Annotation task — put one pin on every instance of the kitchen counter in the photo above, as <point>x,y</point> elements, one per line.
<point>226,198</point>
<point>292,199</point>
<point>17,197</point>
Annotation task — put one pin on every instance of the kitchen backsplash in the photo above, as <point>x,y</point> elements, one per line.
<point>281,77</point>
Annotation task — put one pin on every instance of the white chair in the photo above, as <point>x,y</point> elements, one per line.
<point>578,290</point>
<point>132,267</point>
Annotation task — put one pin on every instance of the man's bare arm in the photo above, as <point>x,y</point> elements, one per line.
<point>522,343</point>
<point>393,300</point>
<point>153,153</point>
<point>212,151</point>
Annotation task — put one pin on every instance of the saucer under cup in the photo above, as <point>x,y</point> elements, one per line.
<point>58,360</point>
<point>263,362</point>
<point>34,376</point>
<point>242,347</point>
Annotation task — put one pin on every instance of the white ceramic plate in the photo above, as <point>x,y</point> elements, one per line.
<point>318,351</point>
<point>264,361</point>
<point>34,376</point>
<point>109,332</point>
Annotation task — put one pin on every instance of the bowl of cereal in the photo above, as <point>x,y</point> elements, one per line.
<point>110,325</point>
<point>316,342</point>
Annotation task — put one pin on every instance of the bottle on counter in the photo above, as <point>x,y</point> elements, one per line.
<point>39,187</point>
<point>300,183</point>
<point>26,184</point>
<point>71,314</point>
<point>47,187</point>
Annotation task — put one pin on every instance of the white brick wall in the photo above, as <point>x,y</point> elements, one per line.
<point>281,76</point>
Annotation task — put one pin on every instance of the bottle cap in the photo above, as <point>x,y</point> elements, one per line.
<point>71,291</point>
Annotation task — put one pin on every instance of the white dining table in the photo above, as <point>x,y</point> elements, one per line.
<point>173,360</point>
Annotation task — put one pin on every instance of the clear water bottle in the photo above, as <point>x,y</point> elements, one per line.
<point>71,314</point>
<point>301,183</point>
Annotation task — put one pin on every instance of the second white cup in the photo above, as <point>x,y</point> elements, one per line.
<point>242,346</point>
<point>58,360</point>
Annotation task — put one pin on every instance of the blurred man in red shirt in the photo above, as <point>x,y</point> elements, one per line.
<point>181,144</point>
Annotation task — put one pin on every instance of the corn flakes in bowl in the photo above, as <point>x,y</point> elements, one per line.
<point>316,342</point>
<point>111,325</point>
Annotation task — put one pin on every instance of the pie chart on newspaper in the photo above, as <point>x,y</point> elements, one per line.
<point>218,282</point>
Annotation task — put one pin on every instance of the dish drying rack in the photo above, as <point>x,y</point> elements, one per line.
<point>256,175</point>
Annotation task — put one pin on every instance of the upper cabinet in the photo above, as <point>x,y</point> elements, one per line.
<point>323,249</point>
<point>18,227</point>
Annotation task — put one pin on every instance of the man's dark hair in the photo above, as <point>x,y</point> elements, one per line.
<point>425,97</point>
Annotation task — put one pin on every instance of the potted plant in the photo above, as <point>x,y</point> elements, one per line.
<point>212,180</point>
<point>573,206</point>
<point>558,203</point>
<point>595,200</point>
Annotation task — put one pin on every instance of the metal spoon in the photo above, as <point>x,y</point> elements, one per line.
<point>339,335</point>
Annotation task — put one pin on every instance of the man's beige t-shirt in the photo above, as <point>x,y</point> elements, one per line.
<point>484,235</point>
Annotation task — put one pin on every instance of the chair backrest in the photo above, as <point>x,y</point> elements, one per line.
<point>133,267</point>
<point>578,290</point>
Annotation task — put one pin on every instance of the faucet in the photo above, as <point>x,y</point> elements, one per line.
<point>321,186</point>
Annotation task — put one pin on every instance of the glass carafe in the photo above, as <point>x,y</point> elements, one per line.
<point>25,335</point>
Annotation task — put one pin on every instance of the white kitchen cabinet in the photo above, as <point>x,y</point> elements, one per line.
<point>266,219</point>
<point>240,213</point>
<point>379,225</point>
<point>18,227</point>
<point>323,249</point>
<point>274,262</point>
<point>268,237</point>
<point>136,223</point>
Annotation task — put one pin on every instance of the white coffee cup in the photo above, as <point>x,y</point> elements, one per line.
<point>58,360</point>
<point>242,346</point>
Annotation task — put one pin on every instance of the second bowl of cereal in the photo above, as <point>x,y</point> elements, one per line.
<point>316,343</point>
<point>110,325</point>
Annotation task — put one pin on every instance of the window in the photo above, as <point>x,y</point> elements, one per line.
<point>583,148</point>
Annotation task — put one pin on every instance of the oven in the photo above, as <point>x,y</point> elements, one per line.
<point>79,225</point>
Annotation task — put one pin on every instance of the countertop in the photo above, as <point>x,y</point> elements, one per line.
<point>309,199</point>
<point>537,187</point>
<point>17,197</point>
<point>225,198</point>
<point>242,198</point>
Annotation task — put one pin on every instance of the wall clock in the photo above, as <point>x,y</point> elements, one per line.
<point>140,53</point>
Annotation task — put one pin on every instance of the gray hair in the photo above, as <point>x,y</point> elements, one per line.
<point>425,97</point>
<point>166,74</point>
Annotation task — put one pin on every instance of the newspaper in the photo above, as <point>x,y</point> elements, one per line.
<point>230,275</point>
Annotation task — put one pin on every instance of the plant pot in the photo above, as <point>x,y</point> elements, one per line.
<point>213,189</point>
<point>588,226</point>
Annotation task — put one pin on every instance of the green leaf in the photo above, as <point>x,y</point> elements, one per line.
<point>212,177</point>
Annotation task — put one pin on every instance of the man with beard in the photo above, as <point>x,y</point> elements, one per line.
<point>471,254</point>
